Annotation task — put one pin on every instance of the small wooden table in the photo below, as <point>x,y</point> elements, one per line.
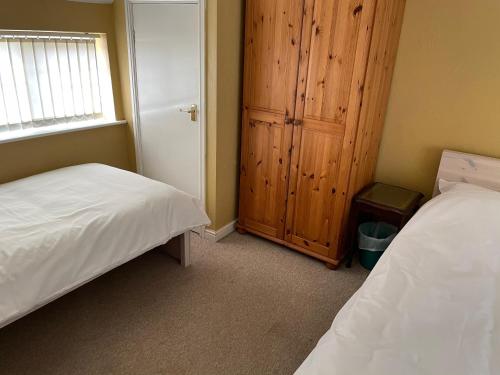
<point>380,202</point>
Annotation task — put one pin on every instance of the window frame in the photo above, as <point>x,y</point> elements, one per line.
<point>50,125</point>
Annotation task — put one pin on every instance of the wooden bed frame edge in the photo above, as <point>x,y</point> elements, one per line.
<point>179,248</point>
<point>470,168</point>
<point>185,240</point>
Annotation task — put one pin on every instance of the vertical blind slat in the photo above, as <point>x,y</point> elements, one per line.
<point>20,81</point>
<point>85,75</point>
<point>31,76</point>
<point>75,78</point>
<point>8,85</point>
<point>16,91</point>
<point>24,83</point>
<point>55,79</point>
<point>3,109</point>
<point>65,78</point>
<point>70,78</point>
<point>47,85</point>
<point>32,80</point>
<point>94,77</point>
<point>43,79</point>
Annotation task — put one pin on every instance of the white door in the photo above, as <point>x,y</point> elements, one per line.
<point>168,67</point>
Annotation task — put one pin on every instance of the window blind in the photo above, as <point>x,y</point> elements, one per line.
<point>49,78</point>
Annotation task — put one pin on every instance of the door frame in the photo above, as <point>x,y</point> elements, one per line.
<point>129,19</point>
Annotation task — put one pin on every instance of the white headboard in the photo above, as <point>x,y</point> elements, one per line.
<point>474,169</point>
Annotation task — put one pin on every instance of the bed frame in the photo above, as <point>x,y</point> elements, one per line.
<point>178,247</point>
<point>474,169</point>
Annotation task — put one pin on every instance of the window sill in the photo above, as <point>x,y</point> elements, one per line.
<point>21,135</point>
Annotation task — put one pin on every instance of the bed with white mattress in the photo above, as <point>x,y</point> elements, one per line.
<point>432,304</point>
<point>61,229</point>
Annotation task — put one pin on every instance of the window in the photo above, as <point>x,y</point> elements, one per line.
<point>50,78</point>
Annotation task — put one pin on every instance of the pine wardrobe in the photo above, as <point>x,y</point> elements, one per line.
<point>316,84</point>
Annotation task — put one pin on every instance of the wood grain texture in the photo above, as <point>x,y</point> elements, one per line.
<point>310,142</point>
<point>328,104</point>
<point>264,173</point>
<point>272,40</point>
<point>334,30</point>
<point>469,168</point>
<point>387,29</point>
<point>271,54</point>
<point>383,50</point>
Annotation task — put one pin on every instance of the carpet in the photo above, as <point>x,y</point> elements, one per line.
<point>245,306</point>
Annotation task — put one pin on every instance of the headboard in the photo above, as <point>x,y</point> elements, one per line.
<point>474,169</point>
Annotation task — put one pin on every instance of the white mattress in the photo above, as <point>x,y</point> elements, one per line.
<point>62,228</point>
<point>432,304</point>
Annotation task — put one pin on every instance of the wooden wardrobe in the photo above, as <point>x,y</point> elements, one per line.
<point>316,84</point>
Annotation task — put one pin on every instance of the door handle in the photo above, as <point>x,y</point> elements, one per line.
<point>192,110</point>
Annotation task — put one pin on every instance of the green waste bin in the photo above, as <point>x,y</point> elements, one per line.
<point>373,239</point>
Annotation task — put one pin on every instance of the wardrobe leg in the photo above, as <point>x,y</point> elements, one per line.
<point>241,230</point>
<point>331,266</point>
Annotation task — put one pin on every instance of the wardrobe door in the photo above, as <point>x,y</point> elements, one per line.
<point>272,46</point>
<point>335,45</point>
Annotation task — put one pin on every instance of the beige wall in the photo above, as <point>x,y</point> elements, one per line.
<point>101,145</point>
<point>445,92</point>
<point>229,68</point>
<point>25,158</point>
<point>120,28</point>
<point>224,88</point>
<point>211,104</point>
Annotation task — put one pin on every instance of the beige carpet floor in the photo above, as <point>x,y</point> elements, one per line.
<point>246,306</point>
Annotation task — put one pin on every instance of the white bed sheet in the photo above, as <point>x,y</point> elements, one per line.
<point>62,228</point>
<point>431,305</point>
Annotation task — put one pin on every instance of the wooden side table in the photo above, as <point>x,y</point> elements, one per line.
<point>380,202</point>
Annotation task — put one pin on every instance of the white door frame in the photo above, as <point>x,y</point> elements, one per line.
<point>134,89</point>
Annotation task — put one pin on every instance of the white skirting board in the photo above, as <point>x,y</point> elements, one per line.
<point>217,235</point>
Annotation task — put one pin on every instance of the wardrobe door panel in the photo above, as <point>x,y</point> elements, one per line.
<point>315,187</point>
<point>272,47</point>
<point>335,45</point>
<point>264,173</point>
<point>332,57</point>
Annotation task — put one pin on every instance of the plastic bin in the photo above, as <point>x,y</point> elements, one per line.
<point>373,239</point>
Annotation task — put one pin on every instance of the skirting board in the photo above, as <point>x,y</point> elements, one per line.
<point>217,235</point>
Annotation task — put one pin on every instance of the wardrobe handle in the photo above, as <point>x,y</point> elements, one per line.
<point>288,120</point>
<point>298,122</point>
